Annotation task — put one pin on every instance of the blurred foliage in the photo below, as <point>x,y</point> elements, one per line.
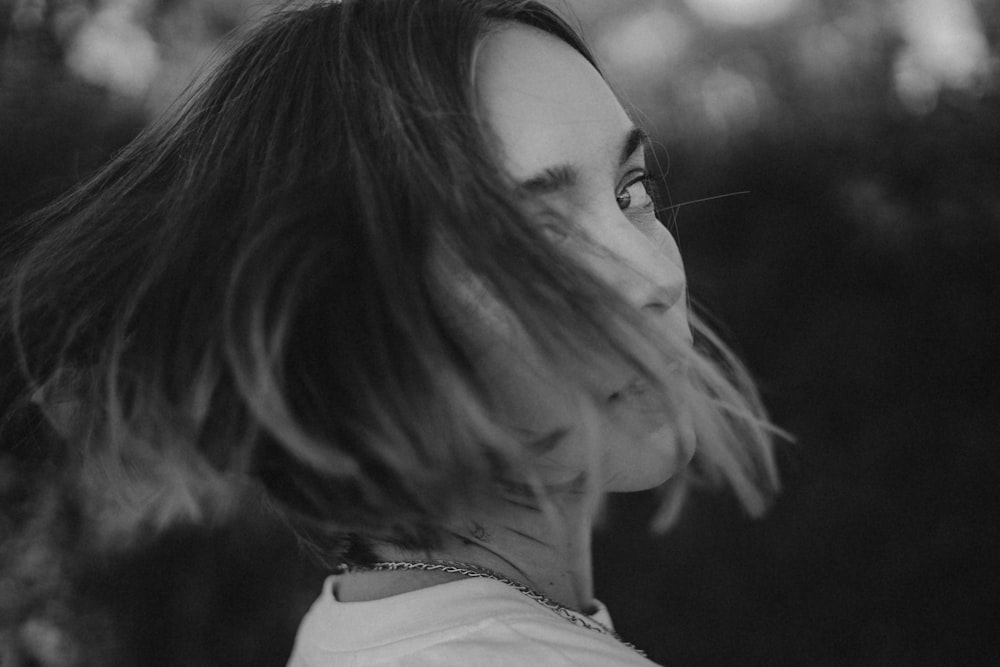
<point>858,277</point>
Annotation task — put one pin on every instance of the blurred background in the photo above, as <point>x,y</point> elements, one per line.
<point>834,177</point>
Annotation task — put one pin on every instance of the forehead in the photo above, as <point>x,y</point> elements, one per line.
<point>545,103</point>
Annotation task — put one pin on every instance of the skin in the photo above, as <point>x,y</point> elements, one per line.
<point>565,138</point>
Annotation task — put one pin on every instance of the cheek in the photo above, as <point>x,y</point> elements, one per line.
<point>527,393</point>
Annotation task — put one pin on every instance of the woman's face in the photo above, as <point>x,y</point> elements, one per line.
<point>567,142</point>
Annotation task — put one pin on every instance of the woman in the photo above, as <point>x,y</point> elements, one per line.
<point>396,266</point>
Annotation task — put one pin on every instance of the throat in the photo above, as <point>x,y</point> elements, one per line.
<point>517,542</point>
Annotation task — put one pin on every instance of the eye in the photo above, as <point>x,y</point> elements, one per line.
<point>635,195</point>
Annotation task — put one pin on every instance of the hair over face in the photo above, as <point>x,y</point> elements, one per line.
<point>250,293</point>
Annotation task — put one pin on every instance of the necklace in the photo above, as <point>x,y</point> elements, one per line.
<point>477,572</point>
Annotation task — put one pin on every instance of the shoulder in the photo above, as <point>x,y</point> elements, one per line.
<point>547,639</point>
<point>475,622</point>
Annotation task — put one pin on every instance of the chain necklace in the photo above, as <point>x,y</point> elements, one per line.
<point>477,572</point>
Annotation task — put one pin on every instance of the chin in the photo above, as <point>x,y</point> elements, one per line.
<point>647,464</point>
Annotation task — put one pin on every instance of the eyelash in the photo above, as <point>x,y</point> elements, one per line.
<point>557,232</point>
<point>646,180</point>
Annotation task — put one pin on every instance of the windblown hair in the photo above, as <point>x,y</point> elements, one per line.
<point>246,296</point>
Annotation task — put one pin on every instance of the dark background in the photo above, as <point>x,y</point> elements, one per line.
<point>848,246</point>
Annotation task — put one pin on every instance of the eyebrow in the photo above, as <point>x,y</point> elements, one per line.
<point>563,176</point>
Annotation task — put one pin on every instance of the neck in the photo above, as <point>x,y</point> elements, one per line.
<point>547,550</point>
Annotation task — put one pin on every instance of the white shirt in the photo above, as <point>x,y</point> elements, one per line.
<point>471,622</point>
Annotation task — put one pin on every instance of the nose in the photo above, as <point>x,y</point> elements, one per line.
<point>658,298</point>
<point>645,267</point>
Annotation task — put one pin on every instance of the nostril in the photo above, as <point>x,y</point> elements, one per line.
<point>665,298</point>
<point>656,308</point>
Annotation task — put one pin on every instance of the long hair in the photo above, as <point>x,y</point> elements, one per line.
<point>246,296</point>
